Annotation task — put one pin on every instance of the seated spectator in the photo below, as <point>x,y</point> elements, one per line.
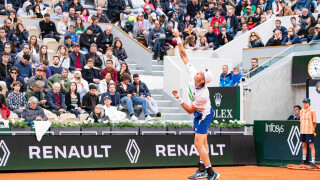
<point>285,10</point>
<point>142,91</point>
<point>109,56</point>
<point>257,16</point>
<point>12,57</point>
<point>72,34</point>
<point>39,77</point>
<point>216,28</point>
<point>189,32</point>
<point>224,37</point>
<point>63,25</point>
<point>296,113</point>
<point>217,17</point>
<point>111,111</point>
<point>189,42</point>
<point>3,38</point>
<point>137,6</point>
<point>283,30</point>
<point>98,114</point>
<point>76,5</point>
<point>43,55</point>
<point>163,21</point>
<point>198,21</point>
<point>36,91</point>
<point>113,95</point>
<point>90,100</point>
<point>157,41</point>
<point>124,69</point>
<point>91,73</point>
<point>16,100</point>
<point>27,50</point>
<point>301,5</point>
<point>55,68</point>
<point>128,96</point>
<point>212,37</point>
<point>93,55</point>
<point>82,85</point>
<point>79,26</point>
<point>24,67</point>
<point>236,76</point>
<point>64,6</point>
<point>225,77</point>
<point>105,40</point>
<point>263,19</point>
<point>232,21</point>
<point>68,43</point>
<point>4,68</point>
<point>102,18</point>
<point>255,68</point>
<point>304,16</point>
<point>249,13</point>
<point>315,38</point>
<point>249,4</point>
<point>16,5</point>
<point>34,45</point>
<point>15,46</point>
<point>119,51</point>
<point>268,5</point>
<point>48,28</point>
<point>110,69</point>
<point>73,100</point>
<point>239,9</point>
<point>127,25</point>
<point>202,44</point>
<point>103,85</point>
<point>72,14</point>
<point>57,13</point>
<point>251,23</point>
<point>95,27</point>
<point>14,77</point>
<point>193,7</point>
<point>77,59</point>
<point>86,39</point>
<point>243,31</point>
<point>63,55</point>
<point>291,39</point>
<point>33,111</point>
<point>61,79</point>
<point>141,27</point>
<point>294,24</point>
<point>56,100</point>
<point>276,39</point>
<point>254,40</point>
<point>170,39</point>
<point>115,8</point>
<point>209,12</point>
<point>37,12</point>
<point>304,30</point>
<point>26,10</point>
<point>21,33</point>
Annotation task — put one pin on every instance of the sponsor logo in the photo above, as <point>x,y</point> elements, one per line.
<point>271,128</point>
<point>132,145</point>
<point>178,150</point>
<point>318,87</point>
<point>6,153</point>
<point>294,135</point>
<point>217,99</point>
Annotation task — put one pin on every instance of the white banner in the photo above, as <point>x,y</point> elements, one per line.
<point>41,127</point>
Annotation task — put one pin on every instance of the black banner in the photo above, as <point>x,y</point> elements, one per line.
<point>77,152</point>
<point>300,69</point>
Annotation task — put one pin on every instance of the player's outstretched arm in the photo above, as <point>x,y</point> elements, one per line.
<point>182,51</point>
<point>189,109</point>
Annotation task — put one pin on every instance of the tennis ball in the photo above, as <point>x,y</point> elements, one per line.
<point>315,134</point>
<point>131,18</point>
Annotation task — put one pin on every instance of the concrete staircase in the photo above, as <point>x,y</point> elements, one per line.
<point>157,68</point>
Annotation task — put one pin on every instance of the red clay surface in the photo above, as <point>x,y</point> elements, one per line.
<point>227,173</point>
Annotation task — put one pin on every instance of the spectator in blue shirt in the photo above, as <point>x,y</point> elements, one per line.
<point>283,30</point>
<point>72,33</point>
<point>113,95</point>
<point>302,4</point>
<point>212,37</point>
<point>56,68</point>
<point>236,76</point>
<point>292,38</point>
<point>24,68</point>
<point>64,6</point>
<point>225,77</point>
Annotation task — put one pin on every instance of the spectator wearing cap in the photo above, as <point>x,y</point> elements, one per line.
<point>56,100</point>
<point>24,67</point>
<point>82,85</point>
<point>91,73</point>
<point>225,77</point>
<point>4,68</point>
<point>68,43</point>
<point>316,37</point>
<point>62,80</point>
<point>249,13</point>
<point>48,28</point>
<point>16,100</point>
<point>39,77</point>
<point>16,47</point>
<point>93,55</point>
<point>46,71</point>
<point>113,95</point>
<point>285,10</point>
<point>86,39</point>
<point>64,6</point>
<point>77,59</point>
<point>157,40</point>
<point>26,10</point>
<point>283,29</point>
<point>72,33</point>
<point>276,39</point>
<point>90,100</point>
<point>112,111</point>
<point>105,40</point>
<point>3,38</point>
<point>296,113</point>
<point>217,17</point>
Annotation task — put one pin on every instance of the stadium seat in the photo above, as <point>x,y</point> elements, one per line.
<point>61,42</point>
<point>50,11</point>
<point>35,32</point>
<point>51,53</point>
<point>67,116</point>
<point>83,117</point>
<point>70,76</point>
<point>52,116</point>
<point>205,24</point>
<point>70,120</point>
<point>46,40</point>
<point>52,45</point>
<point>102,3</point>
<point>171,51</point>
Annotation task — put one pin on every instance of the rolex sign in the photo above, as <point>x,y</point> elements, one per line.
<point>226,102</point>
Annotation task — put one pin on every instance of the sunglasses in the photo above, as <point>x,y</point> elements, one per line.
<point>39,70</point>
<point>253,35</point>
<point>14,73</point>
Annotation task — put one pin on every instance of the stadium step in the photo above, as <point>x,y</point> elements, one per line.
<point>132,66</point>
<point>175,116</point>
<point>169,109</point>
<point>157,96</point>
<point>136,71</point>
<point>155,62</point>
<point>157,73</point>
<point>157,68</point>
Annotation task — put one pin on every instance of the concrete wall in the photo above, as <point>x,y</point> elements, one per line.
<point>176,77</point>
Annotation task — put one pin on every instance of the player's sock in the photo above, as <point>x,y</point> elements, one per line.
<point>209,170</point>
<point>201,166</point>
<point>313,160</point>
<point>304,158</point>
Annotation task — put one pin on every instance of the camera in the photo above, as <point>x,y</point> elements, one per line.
<point>243,80</point>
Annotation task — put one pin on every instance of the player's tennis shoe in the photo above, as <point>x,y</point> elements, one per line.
<point>311,165</point>
<point>214,177</point>
<point>198,175</point>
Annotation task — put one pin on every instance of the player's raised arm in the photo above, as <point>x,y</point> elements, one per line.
<point>182,51</point>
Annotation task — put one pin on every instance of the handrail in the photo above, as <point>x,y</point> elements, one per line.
<point>264,47</point>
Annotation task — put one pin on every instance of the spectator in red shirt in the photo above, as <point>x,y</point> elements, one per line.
<point>109,69</point>
<point>217,17</point>
<point>216,28</point>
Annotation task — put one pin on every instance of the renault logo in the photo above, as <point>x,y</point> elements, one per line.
<point>132,145</point>
<point>294,147</point>
<point>6,153</point>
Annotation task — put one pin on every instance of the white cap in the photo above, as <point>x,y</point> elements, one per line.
<point>154,16</point>
<point>207,76</point>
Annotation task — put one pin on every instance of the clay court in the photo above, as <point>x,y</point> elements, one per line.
<point>228,173</point>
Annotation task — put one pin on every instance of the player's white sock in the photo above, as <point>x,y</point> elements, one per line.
<point>313,160</point>
<point>304,158</point>
<point>208,166</point>
<point>201,162</point>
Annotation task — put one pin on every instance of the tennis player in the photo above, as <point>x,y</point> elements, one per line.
<point>203,113</point>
